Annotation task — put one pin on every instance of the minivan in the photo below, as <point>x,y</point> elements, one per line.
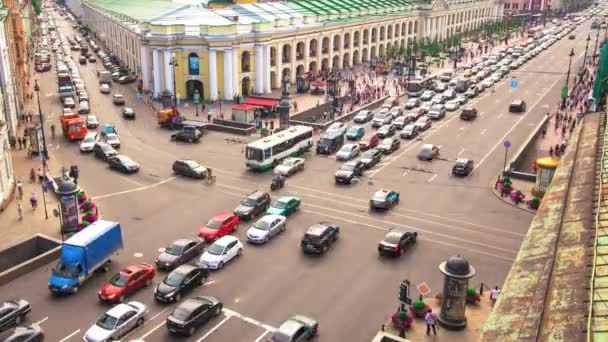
<point>330,143</point>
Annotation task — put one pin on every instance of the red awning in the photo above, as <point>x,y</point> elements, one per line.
<point>255,101</point>
<point>243,106</point>
<point>318,84</point>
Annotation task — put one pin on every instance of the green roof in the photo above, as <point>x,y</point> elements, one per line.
<point>328,7</point>
<point>140,10</point>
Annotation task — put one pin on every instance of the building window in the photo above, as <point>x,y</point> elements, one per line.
<point>246,62</point>
<point>193,64</point>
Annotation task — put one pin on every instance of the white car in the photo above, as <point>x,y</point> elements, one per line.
<point>104,88</point>
<point>495,77</point>
<point>112,140</point>
<point>266,228</point>
<point>117,322</point>
<point>87,144</point>
<point>337,128</point>
<point>289,166</point>
<point>487,83</point>
<point>348,152</point>
<point>221,251</point>
<point>452,105</point>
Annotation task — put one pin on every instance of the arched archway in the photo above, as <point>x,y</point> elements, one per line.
<point>409,28</point>
<point>356,38</point>
<point>381,51</point>
<point>312,48</point>
<point>246,86</point>
<point>300,51</point>
<point>415,26</point>
<point>356,59</point>
<point>300,70</point>
<point>347,40</point>
<point>389,51</point>
<point>346,60</point>
<point>403,29</point>
<point>246,62</point>
<point>372,53</point>
<point>336,62</point>
<point>365,36</point>
<point>325,64</point>
<point>195,85</point>
<point>396,32</point>
<point>325,45</point>
<point>389,32</point>
<point>286,58</point>
<point>402,45</point>
<point>382,31</point>
<point>193,64</point>
<point>312,66</point>
<point>336,45</point>
<point>273,56</point>
<point>364,57</point>
<point>374,34</point>
<point>273,80</point>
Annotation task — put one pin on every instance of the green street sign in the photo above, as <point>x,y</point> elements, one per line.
<point>564,92</point>
<point>197,98</point>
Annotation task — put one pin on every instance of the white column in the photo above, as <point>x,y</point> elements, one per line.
<point>212,75</point>
<point>267,82</point>
<point>168,70</point>
<point>228,92</point>
<point>293,62</point>
<point>156,66</point>
<point>145,66</point>
<point>427,27</point>
<point>259,69</point>
<point>236,67</point>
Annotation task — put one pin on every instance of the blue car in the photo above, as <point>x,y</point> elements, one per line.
<point>355,133</point>
<point>384,199</point>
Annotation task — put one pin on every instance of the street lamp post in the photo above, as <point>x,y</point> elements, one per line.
<point>595,47</point>
<point>586,48</point>
<point>174,64</point>
<point>44,153</point>
<point>565,90</point>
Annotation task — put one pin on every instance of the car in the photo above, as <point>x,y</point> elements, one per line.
<point>284,206</point>
<point>69,102</point>
<point>572,36</point>
<point>42,67</point>
<point>401,121</point>
<point>412,103</point>
<point>389,145</point>
<point>452,105</point>
<point>415,114</point>
<point>348,152</point>
<point>396,112</point>
<point>125,79</point>
<point>319,237</point>
<point>297,328</point>
<point>371,157</point>
<point>266,228</point>
<point>381,118</point>
<point>427,95</point>
<point>126,282</point>
<point>118,99</point>
<point>128,113</point>
<point>461,99</point>
<point>395,242</point>
<point>83,96</point>
<point>178,282</point>
<point>256,203</point>
<point>88,143</point>
<point>91,120</point>
<point>104,88</point>
<point>24,333</point>
<point>220,252</point>
<point>189,168</point>
<point>92,59</point>
<point>517,106</point>
<point>440,87</point>
<point>385,131</point>
<point>193,313</point>
<point>104,151</point>
<point>409,132</point>
<point>449,94</point>
<point>369,143</point>
<point>336,127</point>
<point>179,252</point>
<point>463,167</point>
<point>220,225</point>
<point>423,124</point>
<point>289,166</point>
<point>446,76</point>
<point>384,199</point>
<point>13,312</point>
<point>348,171</point>
<point>363,116</point>
<point>116,322</point>
<point>426,106</point>
<point>112,140</point>
<point>355,133</point>
<point>436,113</point>
<point>487,83</point>
<point>468,113</point>
<point>82,60</point>
<point>188,134</point>
<point>123,163</point>
<point>438,99</point>
<point>428,152</point>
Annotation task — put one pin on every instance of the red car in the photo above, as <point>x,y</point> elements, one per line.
<point>126,282</point>
<point>220,225</point>
<point>369,143</point>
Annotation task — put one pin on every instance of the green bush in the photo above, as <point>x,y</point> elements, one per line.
<point>471,291</point>
<point>402,315</point>
<point>419,305</point>
<point>507,179</point>
<point>536,200</point>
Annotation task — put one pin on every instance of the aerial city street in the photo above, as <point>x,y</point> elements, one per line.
<point>195,189</point>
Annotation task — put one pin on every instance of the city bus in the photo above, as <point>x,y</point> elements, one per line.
<point>416,87</point>
<point>268,152</point>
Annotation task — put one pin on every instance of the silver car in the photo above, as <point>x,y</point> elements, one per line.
<point>348,152</point>
<point>266,228</point>
<point>289,166</point>
<point>117,322</point>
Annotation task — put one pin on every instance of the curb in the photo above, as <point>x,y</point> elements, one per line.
<point>497,194</point>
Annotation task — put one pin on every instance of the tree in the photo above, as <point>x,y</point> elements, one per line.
<point>36,6</point>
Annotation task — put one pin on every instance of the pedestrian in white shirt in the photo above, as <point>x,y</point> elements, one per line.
<point>431,321</point>
<point>494,294</point>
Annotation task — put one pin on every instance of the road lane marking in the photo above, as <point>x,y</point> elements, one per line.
<point>145,322</point>
<point>42,320</point>
<point>150,186</point>
<point>131,181</point>
<point>248,319</point>
<point>212,330</point>
<point>501,140</point>
<point>460,152</point>
<point>483,131</point>
<point>150,332</point>
<point>70,336</point>
<point>158,314</point>
<point>261,336</point>
<point>500,115</point>
<point>434,176</point>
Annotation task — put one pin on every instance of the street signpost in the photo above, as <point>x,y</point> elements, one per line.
<point>424,289</point>
<point>514,83</point>
<point>404,293</point>
<point>506,144</point>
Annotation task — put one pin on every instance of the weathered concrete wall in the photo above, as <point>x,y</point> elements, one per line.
<point>27,256</point>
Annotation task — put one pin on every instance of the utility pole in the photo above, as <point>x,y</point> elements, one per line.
<point>586,48</point>
<point>565,90</point>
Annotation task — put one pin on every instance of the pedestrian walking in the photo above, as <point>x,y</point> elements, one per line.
<point>551,151</point>
<point>563,130</point>
<point>19,189</point>
<point>34,201</point>
<point>431,322</point>
<point>20,144</point>
<point>544,131</point>
<point>40,175</point>
<point>53,131</point>
<point>494,294</point>
<point>20,211</point>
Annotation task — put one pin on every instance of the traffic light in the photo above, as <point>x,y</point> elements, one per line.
<point>404,291</point>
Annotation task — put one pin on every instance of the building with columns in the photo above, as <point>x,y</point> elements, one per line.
<point>247,48</point>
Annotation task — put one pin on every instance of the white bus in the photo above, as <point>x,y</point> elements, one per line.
<point>268,152</point>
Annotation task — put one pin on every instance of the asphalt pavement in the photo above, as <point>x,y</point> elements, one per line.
<point>350,289</point>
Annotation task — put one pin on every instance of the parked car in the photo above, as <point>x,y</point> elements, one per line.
<point>179,252</point>
<point>371,157</point>
<point>180,281</point>
<point>126,282</point>
<point>193,313</point>
<point>284,206</point>
<point>298,328</point>
<point>348,171</point>
<point>220,225</point>
<point>256,203</point>
<point>401,121</point>
<point>389,145</point>
<point>369,143</point>
<point>13,312</point>
<point>24,333</point>
<point>355,133</point>
<point>319,237</point>
<point>348,152</point>
<point>116,322</point>
<point>409,132</point>
<point>385,131</point>
<point>221,251</point>
<point>363,116</point>
<point>266,228</point>
<point>423,124</point>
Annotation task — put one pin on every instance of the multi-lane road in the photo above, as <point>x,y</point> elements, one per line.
<point>350,289</point>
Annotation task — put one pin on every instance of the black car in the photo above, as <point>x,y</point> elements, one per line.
<point>12,312</point>
<point>192,313</point>
<point>389,145</point>
<point>463,167</point>
<point>468,114</point>
<point>23,333</point>
<point>104,151</point>
<point>517,106</point>
<point>188,134</point>
<point>371,158</point>
<point>180,281</point>
<point>189,168</point>
<point>386,131</point>
<point>395,242</point>
<point>180,252</point>
<point>253,205</point>
<point>319,237</point>
<point>348,171</point>
<point>128,113</point>
<point>123,163</point>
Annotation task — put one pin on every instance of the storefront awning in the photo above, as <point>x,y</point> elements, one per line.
<point>243,106</point>
<point>255,101</point>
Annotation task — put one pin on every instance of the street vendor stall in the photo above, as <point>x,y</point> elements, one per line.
<point>318,87</point>
<point>244,113</point>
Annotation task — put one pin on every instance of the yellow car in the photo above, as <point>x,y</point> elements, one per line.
<point>467,73</point>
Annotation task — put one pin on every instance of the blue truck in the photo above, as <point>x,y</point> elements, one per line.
<point>83,254</point>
